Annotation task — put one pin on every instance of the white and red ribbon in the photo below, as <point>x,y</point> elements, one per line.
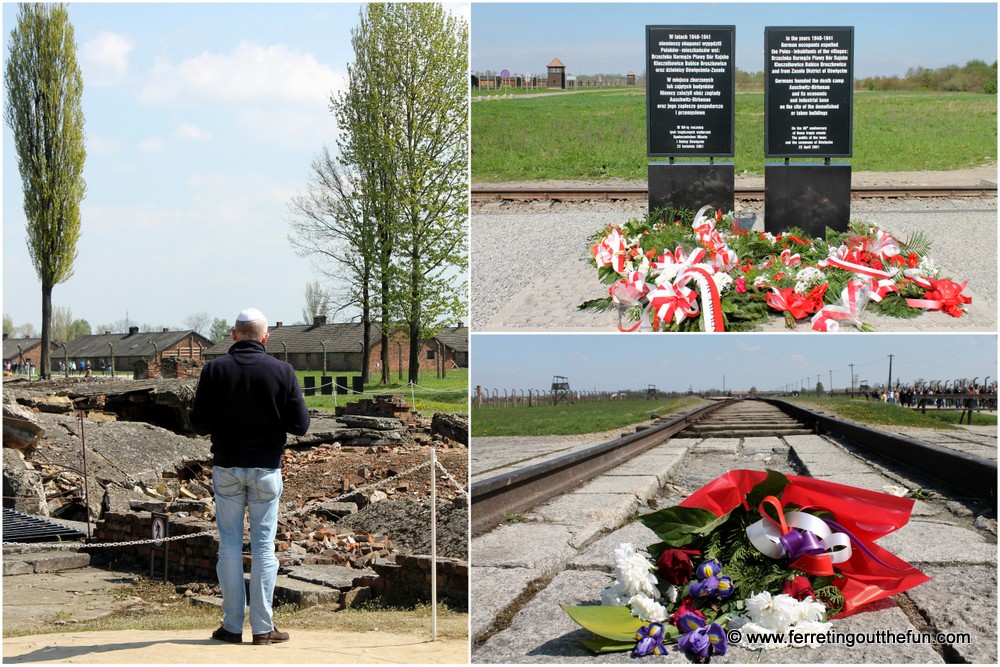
<point>853,300</point>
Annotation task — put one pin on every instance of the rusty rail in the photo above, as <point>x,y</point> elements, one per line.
<point>487,193</point>
<point>497,497</point>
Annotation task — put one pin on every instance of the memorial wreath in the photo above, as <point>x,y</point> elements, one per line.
<point>685,271</point>
<point>755,558</point>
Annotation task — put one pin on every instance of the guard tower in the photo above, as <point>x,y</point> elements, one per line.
<point>630,79</point>
<point>557,74</point>
<point>560,389</point>
<point>650,392</point>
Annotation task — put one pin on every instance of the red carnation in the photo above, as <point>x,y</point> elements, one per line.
<point>674,565</point>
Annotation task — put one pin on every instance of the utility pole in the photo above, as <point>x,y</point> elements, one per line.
<point>831,382</point>
<point>817,384</point>
<point>852,379</point>
<point>890,373</point>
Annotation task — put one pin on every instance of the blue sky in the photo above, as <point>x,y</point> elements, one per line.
<point>767,361</point>
<point>201,123</point>
<point>590,38</point>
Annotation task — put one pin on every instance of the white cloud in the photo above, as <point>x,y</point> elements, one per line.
<point>104,59</point>
<point>250,74</point>
<point>748,348</point>
<point>98,146</point>
<point>152,145</point>
<point>192,132</point>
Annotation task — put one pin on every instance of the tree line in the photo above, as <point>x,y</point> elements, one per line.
<point>976,76</point>
<point>384,216</point>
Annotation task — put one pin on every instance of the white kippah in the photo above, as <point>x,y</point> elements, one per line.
<point>249,315</point>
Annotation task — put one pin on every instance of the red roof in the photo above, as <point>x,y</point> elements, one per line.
<point>556,63</point>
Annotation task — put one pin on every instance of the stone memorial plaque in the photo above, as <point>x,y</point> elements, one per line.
<point>808,92</point>
<point>690,91</point>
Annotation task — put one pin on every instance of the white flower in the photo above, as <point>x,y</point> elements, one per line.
<point>647,609</point>
<point>807,278</point>
<point>761,281</point>
<point>776,613</point>
<point>614,596</point>
<point>779,614</point>
<point>671,594</point>
<point>898,491</point>
<point>723,281</point>
<point>770,237</point>
<point>810,610</point>
<point>633,572</point>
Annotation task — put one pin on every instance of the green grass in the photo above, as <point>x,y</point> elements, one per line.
<point>450,394</point>
<point>885,414</point>
<point>603,135</point>
<point>570,418</point>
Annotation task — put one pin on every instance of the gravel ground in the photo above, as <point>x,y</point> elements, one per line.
<point>407,523</point>
<point>529,270</point>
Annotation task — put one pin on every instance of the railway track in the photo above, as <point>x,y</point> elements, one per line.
<point>498,497</point>
<point>484,194</point>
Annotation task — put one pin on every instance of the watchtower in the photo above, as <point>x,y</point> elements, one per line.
<point>650,392</point>
<point>630,79</point>
<point>560,389</point>
<point>557,74</point>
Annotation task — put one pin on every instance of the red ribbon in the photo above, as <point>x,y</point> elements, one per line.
<point>945,295</point>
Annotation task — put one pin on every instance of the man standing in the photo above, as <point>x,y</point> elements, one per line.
<point>248,401</point>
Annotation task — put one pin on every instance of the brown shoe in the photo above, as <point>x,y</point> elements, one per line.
<point>226,636</point>
<point>275,636</point>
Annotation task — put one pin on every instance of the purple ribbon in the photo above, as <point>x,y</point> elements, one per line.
<point>861,545</point>
<point>798,543</point>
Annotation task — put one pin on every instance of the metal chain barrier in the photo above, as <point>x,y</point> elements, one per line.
<point>303,510</point>
<point>454,481</point>
<point>132,543</point>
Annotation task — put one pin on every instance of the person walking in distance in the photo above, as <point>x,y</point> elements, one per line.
<point>248,401</point>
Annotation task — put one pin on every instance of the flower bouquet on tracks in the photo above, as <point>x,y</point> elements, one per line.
<point>759,558</point>
<point>676,270</point>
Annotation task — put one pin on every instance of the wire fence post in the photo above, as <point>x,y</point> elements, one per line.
<point>433,545</point>
<point>413,401</point>
<point>86,485</point>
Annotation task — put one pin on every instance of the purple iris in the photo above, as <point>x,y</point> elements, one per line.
<point>708,569</point>
<point>698,639</point>
<point>710,581</point>
<point>650,641</point>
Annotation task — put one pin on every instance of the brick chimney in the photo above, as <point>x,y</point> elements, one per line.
<point>133,331</point>
<point>277,325</point>
<point>319,320</point>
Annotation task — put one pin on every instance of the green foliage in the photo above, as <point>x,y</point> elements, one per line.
<point>43,108</point>
<point>679,526</point>
<point>405,121</point>
<point>219,331</point>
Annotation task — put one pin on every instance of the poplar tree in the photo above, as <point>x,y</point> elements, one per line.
<point>44,89</point>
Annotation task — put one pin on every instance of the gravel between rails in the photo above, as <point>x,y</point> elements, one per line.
<point>528,259</point>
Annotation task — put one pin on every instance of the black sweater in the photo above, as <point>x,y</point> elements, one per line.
<point>248,401</point>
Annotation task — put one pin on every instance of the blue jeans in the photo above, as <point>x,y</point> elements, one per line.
<point>258,489</point>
